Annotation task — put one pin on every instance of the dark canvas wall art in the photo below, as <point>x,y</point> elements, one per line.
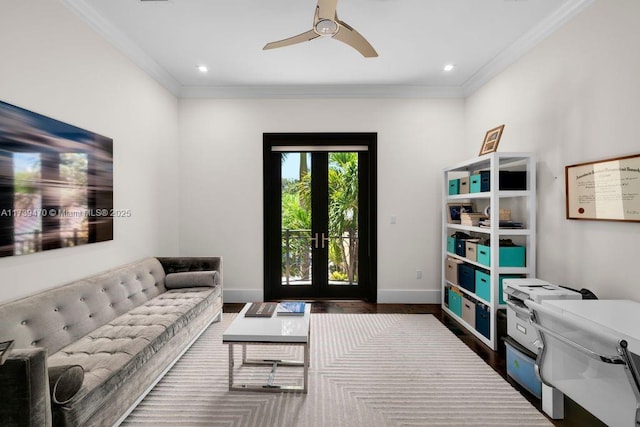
<point>56,184</point>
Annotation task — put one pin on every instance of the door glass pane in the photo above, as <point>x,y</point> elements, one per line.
<point>343,219</point>
<point>296,218</point>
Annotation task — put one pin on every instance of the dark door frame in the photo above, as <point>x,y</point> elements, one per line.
<point>271,175</point>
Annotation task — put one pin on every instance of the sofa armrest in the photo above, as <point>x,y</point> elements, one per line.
<point>24,389</point>
<point>182,264</point>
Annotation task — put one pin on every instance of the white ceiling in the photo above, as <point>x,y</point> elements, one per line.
<point>414,40</point>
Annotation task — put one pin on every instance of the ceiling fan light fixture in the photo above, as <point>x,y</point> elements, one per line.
<point>327,24</point>
<point>326,27</point>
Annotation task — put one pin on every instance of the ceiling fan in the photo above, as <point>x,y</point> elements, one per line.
<point>327,24</point>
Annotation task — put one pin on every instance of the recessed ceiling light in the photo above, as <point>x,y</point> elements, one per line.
<point>449,67</point>
<point>202,68</point>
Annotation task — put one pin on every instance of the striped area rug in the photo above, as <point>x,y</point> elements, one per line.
<point>366,370</point>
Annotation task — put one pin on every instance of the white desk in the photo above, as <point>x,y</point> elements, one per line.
<point>604,389</point>
<point>620,317</point>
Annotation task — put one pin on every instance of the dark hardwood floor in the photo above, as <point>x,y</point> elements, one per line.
<point>575,416</point>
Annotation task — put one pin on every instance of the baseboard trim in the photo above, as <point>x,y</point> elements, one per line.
<point>242,295</point>
<point>400,296</point>
<point>409,296</point>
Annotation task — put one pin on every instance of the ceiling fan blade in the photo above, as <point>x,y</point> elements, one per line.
<point>327,9</point>
<point>348,35</point>
<point>304,37</point>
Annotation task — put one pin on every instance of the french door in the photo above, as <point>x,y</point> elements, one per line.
<point>319,210</point>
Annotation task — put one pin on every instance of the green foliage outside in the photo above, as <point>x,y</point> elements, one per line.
<point>343,220</point>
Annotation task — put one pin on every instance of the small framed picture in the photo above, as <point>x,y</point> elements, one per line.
<point>455,209</point>
<point>4,350</point>
<point>491,140</point>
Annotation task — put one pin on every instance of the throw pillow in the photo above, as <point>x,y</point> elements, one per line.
<point>64,382</point>
<point>192,279</point>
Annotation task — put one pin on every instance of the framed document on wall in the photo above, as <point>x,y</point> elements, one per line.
<point>607,190</point>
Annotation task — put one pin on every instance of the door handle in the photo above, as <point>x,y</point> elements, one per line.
<point>325,239</point>
<point>320,240</point>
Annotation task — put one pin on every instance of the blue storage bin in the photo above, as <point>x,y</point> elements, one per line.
<point>461,248</point>
<point>510,256</point>
<point>467,277</point>
<point>485,181</point>
<point>483,323</point>
<point>455,302</point>
<point>451,244</point>
<point>475,184</point>
<point>454,186</point>
<point>521,368</point>
<point>483,285</point>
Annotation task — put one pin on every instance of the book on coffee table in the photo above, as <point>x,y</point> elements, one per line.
<point>291,309</point>
<point>261,309</point>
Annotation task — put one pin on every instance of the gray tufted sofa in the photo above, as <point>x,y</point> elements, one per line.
<point>124,327</point>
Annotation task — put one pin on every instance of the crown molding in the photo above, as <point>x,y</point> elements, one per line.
<point>497,65</point>
<point>524,45</point>
<point>320,91</point>
<point>124,44</point>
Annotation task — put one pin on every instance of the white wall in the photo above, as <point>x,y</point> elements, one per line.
<point>574,98</point>
<point>221,182</point>
<point>53,64</point>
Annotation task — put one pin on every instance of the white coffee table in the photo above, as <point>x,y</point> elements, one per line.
<point>277,329</point>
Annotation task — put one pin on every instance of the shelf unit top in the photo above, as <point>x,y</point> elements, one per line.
<point>484,162</point>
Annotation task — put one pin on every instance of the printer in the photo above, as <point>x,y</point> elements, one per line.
<point>516,292</point>
<point>522,338</point>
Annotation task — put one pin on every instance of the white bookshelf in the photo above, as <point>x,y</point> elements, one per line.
<point>522,204</point>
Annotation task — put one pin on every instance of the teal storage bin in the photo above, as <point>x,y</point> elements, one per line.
<point>520,367</point>
<point>455,303</point>
<point>451,244</point>
<point>483,285</point>
<point>510,256</point>
<point>454,186</point>
<point>474,183</point>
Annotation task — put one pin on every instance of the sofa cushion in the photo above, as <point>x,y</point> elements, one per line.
<point>192,279</point>
<point>110,354</point>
